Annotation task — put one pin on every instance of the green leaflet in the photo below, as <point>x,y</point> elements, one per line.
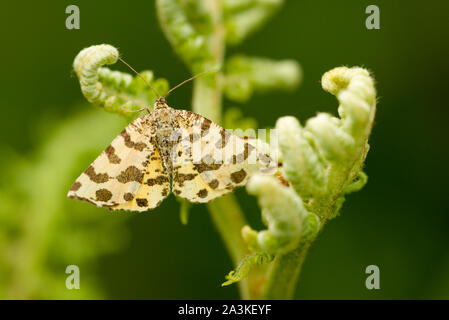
<point>244,17</point>
<point>245,266</point>
<point>245,76</point>
<point>323,158</point>
<point>188,27</point>
<point>282,212</point>
<point>114,91</point>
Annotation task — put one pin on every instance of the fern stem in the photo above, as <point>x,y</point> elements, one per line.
<point>207,97</point>
<point>229,220</point>
<point>207,93</point>
<point>284,273</point>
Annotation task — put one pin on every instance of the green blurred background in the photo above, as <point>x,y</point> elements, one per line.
<point>399,221</point>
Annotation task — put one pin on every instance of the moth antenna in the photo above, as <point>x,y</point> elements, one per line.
<point>127,110</point>
<point>125,63</point>
<point>190,79</point>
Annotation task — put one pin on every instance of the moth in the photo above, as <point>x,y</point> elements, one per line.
<point>169,150</point>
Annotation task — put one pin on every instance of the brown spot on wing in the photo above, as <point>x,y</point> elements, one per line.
<point>103,195</point>
<point>142,202</point>
<point>213,184</point>
<point>75,186</point>
<point>200,167</point>
<point>158,180</point>
<point>248,149</point>
<point>181,177</point>
<point>202,193</point>
<point>98,178</point>
<point>113,158</point>
<point>128,196</point>
<point>130,174</point>
<point>238,176</point>
<point>205,125</point>
<point>225,137</point>
<point>131,144</point>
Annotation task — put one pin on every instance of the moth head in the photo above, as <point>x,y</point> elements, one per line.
<point>160,103</point>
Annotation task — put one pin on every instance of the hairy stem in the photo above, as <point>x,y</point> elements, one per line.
<point>229,220</point>
<point>284,273</point>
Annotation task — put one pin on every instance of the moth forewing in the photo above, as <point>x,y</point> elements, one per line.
<point>117,176</point>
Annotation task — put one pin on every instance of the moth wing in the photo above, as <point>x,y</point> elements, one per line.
<point>117,178</point>
<point>154,188</point>
<point>211,161</point>
<point>188,183</point>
